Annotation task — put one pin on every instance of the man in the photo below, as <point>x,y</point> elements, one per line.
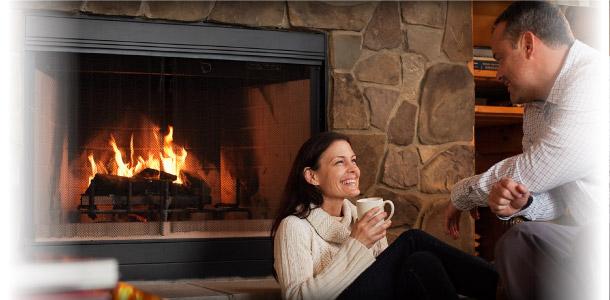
<point>560,174</point>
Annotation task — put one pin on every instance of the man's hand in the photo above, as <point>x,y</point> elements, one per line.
<point>507,197</point>
<point>452,219</point>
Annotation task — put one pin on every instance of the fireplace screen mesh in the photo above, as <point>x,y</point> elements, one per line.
<point>158,146</point>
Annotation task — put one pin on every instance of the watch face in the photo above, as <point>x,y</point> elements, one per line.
<point>516,220</point>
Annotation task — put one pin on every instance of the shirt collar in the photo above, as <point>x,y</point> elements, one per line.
<point>571,57</point>
<point>329,228</point>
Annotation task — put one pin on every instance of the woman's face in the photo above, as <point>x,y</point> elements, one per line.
<point>338,175</point>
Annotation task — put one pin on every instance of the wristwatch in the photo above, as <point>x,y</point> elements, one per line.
<point>516,220</point>
<point>520,219</point>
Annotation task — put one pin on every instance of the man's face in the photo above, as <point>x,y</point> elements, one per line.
<point>515,70</point>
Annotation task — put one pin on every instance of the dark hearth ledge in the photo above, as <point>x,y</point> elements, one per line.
<point>217,288</point>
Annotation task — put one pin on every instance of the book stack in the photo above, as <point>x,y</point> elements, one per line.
<point>68,278</point>
<point>484,63</point>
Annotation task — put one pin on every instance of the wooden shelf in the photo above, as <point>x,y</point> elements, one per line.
<point>485,73</point>
<point>490,91</point>
<point>484,14</point>
<point>497,115</point>
<point>498,111</point>
<point>488,82</point>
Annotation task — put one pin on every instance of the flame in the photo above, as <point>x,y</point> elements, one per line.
<point>167,160</point>
<point>93,167</point>
<point>172,162</point>
<point>123,169</point>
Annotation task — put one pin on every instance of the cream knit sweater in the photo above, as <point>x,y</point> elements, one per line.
<point>315,257</point>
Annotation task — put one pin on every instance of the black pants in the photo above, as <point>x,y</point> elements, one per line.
<point>419,266</point>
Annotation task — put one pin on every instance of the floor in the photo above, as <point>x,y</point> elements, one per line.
<point>261,288</point>
<point>208,289</point>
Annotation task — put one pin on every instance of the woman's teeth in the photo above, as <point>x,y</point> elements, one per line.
<point>349,182</point>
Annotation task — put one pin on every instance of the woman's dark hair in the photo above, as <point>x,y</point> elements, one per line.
<point>543,19</point>
<point>298,193</point>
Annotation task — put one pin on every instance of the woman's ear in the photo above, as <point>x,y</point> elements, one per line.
<point>310,176</point>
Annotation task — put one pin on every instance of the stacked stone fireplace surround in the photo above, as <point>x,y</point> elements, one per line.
<point>399,86</point>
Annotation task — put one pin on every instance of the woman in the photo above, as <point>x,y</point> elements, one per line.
<point>323,252</point>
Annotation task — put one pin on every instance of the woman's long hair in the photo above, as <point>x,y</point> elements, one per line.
<point>298,193</point>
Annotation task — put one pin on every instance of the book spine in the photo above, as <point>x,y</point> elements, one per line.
<point>483,58</point>
<point>483,52</point>
<point>485,65</point>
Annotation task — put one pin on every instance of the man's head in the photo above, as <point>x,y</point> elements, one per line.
<point>528,39</point>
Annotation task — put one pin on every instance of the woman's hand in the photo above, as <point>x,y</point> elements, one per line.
<point>371,228</point>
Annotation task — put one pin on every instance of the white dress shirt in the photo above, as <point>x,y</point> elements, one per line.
<point>565,152</point>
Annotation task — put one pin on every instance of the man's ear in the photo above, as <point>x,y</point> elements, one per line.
<point>310,176</point>
<point>528,40</point>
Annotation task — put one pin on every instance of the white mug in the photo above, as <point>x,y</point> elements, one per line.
<point>366,204</point>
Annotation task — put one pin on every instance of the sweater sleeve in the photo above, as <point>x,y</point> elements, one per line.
<point>381,245</point>
<point>294,263</point>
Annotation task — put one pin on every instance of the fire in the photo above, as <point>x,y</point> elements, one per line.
<point>123,169</point>
<point>167,160</point>
<point>93,167</point>
<point>172,162</point>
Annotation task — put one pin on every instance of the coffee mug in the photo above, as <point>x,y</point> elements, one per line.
<point>366,204</point>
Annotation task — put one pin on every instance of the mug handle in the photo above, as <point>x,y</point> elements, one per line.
<point>391,205</point>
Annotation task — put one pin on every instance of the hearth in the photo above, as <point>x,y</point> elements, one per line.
<point>165,137</point>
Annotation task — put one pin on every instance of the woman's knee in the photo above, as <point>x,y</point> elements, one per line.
<point>422,260</point>
<point>426,277</point>
<point>412,234</point>
<point>422,256</point>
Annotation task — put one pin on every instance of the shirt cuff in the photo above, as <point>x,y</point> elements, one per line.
<point>462,193</point>
<point>524,212</point>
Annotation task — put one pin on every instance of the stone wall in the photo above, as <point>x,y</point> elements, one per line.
<point>399,86</point>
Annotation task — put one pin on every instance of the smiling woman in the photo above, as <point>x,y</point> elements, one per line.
<point>337,175</point>
<point>323,251</point>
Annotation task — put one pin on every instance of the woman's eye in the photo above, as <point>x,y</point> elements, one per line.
<point>339,162</point>
<point>354,161</point>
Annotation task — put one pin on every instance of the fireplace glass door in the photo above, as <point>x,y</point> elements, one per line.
<point>149,147</point>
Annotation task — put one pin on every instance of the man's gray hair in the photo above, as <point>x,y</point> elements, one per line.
<point>543,19</point>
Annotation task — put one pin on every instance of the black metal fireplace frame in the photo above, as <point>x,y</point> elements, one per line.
<point>179,258</point>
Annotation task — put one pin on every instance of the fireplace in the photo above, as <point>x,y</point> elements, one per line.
<point>163,144</point>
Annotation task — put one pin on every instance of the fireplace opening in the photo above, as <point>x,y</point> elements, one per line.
<point>163,146</point>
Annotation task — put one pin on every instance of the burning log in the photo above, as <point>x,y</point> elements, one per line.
<point>152,174</point>
<point>167,176</point>
<point>104,184</point>
<point>198,186</point>
<point>148,173</point>
<point>150,191</point>
<point>128,194</point>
